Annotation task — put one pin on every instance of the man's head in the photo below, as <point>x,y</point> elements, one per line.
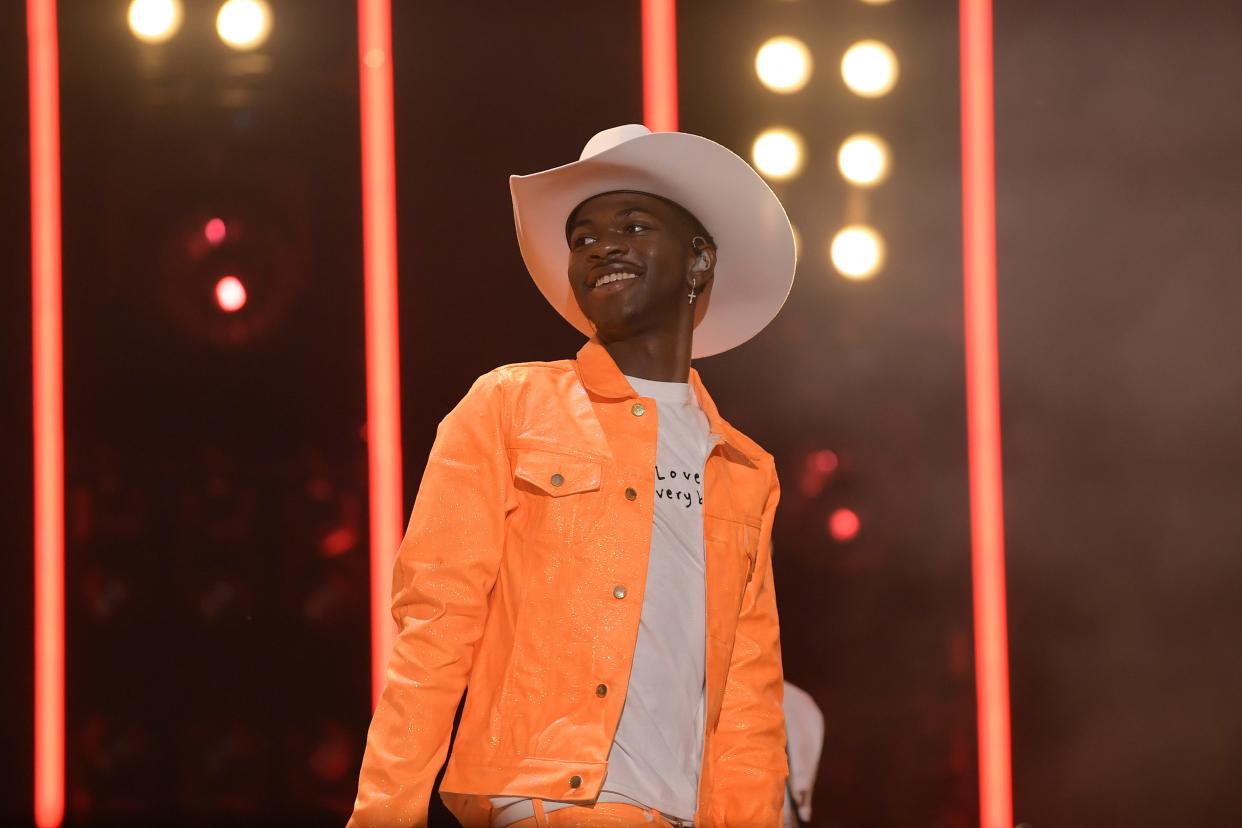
<point>659,242</point>
<point>677,184</point>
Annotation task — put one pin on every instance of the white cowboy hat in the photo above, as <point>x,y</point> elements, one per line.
<point>754,266</point>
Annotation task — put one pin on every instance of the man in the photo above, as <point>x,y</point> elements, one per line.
<point>589,550</point>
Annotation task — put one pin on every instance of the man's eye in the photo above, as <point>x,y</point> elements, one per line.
<point>584,240</point>
<point>635,228</point>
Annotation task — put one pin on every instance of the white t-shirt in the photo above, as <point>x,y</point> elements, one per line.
<point>657,752</point>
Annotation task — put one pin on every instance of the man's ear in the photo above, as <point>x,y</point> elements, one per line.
<point>705,258</point>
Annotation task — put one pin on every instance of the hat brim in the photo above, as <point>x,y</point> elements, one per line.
<point>756,260</point>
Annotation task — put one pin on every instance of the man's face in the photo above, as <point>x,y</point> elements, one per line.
<point>645,239</point>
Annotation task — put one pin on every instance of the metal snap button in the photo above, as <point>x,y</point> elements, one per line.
<point>602,690</point>
<point>638,409</point>
<point>630,494</point>
<point>575,781</point>
<point>557,480</point>
<point>619,591</point>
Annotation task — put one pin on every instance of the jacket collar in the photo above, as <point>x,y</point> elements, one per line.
<point>602,377</point>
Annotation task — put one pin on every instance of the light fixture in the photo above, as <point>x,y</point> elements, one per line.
<point>154,21</point>
<point>863,159</point>
<point>777,153</point>
<point>244,24</point>
<point>857,252</point>
<point>783,64</point>
<point>230,294</point>
<point>869,68</point>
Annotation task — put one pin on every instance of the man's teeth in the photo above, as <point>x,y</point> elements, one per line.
<point>614,277</point>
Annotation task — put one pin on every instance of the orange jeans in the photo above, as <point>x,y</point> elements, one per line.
<point>600,815</point>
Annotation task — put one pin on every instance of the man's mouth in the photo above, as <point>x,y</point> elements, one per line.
<point>612,278</point>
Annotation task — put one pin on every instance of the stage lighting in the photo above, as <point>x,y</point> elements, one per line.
<point>783,64</point>
<point>843,525</point>
<point>877,2</point>
<point>230,294</point>
<point>215,231</point>
<point>869,68</point>
<point>863,159</point>
<point>154,21</point>
<point>857,252</point>
<point>244,24</point>
<point>777,153</point>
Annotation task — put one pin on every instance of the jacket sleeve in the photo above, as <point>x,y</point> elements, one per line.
<point>445,569</point>
<point>749,743</point>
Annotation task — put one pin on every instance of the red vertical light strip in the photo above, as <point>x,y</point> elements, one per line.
<point>660,65</point>
<point>983,415</point>
<point>48,419</point>
<point>379,242</point>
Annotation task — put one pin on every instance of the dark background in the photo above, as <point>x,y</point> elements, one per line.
<point>216,468</point>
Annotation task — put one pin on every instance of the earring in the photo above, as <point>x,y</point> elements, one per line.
<point>692,291</point>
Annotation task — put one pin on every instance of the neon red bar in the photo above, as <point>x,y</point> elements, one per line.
<point>379,243</point>
<point>49,433</point>
<point>983,416</point>
<point>660,65</point>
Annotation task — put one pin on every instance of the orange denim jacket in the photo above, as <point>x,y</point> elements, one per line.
<point>521,575</point>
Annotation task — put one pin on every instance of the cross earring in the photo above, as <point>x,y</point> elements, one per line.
<point>692,293</point>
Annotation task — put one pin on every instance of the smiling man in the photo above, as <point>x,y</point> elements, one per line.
<point>590,548</point>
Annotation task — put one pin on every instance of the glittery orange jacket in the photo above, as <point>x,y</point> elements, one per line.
<point>522,574</point>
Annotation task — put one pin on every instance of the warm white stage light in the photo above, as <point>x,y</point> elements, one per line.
<point>783,64</point>
<point>857,252</point>
<point>777,153</point>
<point>863,159</point>
<point>154,21</point>
<point>869,68</point>
<point>244,24</point>
<point>877,2</point>
<point>230,294</point>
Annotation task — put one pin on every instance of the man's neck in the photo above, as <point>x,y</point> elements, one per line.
<point>659,355</point>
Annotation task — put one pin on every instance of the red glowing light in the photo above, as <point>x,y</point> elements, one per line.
<point>819,467</point>
<point>230,294</point>
<point>843,525</point>
<point>215,231</point>
<point>379,266</point>
<point>824,461</point>
<point>983,416</point>
<point>48,415</point>
<point>660,65</point>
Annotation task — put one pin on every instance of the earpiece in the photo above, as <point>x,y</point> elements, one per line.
<point>701,262</point>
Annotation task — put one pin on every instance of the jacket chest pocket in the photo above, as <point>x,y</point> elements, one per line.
<point>732,547</point>
<point>561,494</point>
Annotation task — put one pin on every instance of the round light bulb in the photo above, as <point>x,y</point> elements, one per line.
<point>857,252</point>
<point>244,24</point>
<point>863,159</point>
<point>230,294</point>
<point>154,21</point>
<point>777,153</point>
<point>869,68</point>
<point>783,64</point>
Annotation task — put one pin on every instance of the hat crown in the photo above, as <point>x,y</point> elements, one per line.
<point>610,138</point>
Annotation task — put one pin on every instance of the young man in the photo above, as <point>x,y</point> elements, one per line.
<point>590,548</point>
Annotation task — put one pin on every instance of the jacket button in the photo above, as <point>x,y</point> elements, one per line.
<point>638,409</point>
<point>557,480</point>
<point>575,781</point>
<point>618,591</point>
<point>602,690</point>
<point>630,494</point>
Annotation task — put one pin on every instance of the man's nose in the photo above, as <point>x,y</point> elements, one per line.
<point>611,245</point>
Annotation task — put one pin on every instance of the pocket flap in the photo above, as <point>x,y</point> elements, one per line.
<point>557,474</point>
